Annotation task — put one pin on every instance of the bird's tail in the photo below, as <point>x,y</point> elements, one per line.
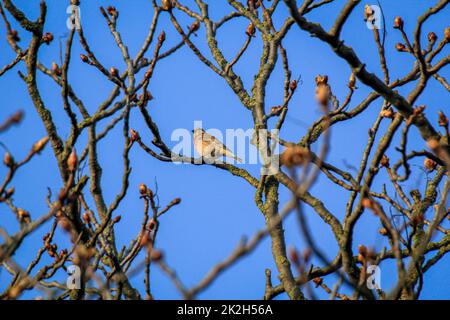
<point>229,154</point>
<point>237,159</point>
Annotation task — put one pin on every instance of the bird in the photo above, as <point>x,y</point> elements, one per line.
<point>209,146</point>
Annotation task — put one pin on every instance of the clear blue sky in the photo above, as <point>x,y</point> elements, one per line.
<point>217,208</point>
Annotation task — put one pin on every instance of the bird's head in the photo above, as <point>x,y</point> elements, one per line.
<point>198,133</point>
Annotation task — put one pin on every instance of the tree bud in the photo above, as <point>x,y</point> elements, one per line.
<point>86,218</point>
<point>114,72</point>
<point>40,145</point>
<point>195,26</point>
<point>447,34</point>
<point>47,38</point>
<point>162,37</point>
<point>143,189</point>
<point>293,85</point>
<point>443,120</point>
<point>400,47</point>
<point>156,255</point>
<point>134,135</point>
<point>56,69</point>
<point>72,161</point>
<point>167,5</point>
<point>84,58</point>
<point>432,37</point>
<point>14,35</point>
<point>429,164</point>
<point>398,23</point>
<point>384,161</point>
<point>250,30</point>
<point>8,160</point>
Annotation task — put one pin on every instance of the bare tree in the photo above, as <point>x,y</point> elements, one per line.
<point>415,245</point>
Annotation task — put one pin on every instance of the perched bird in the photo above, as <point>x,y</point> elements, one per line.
<point>208,146</point>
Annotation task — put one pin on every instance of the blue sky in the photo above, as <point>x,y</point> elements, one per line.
<point>217,208</point>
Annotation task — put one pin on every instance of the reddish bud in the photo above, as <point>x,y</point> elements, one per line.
<point>447,34</point>
<point>114,72</point>
<point>293,85</point>
<point>368,203</point>
<point>384,162</point>
<point>86,218</point>
<point>250,30</point>
<point>143,189</point>
<point>112,11</point>
<point>8,160</point>
<point>443,120</point>
<point>167,5</point>
<point>318,281</point>
<point>9,193</point>
<point>162,37</point>
<point>56,69</point>
<point>195,26</point>
<point>398,23</point>
<point>40,145</point>
<point>72,161</point>
<point>432,37</point>
<point>134,135</point>
<point>84,58</point>
<point>293,256</point>
<point>429,164</point>
<point>156,255</point>
<point>47,38</point>
<point>400,47</point>
<point>17,117</point>
<point>14,35</point>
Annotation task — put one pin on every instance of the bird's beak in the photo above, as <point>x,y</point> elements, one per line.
<point>193,131</point>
